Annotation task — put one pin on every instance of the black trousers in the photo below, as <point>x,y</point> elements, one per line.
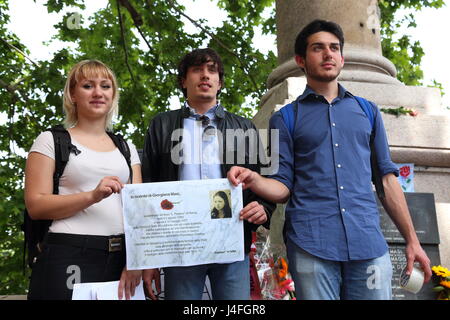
<point>59,266</point>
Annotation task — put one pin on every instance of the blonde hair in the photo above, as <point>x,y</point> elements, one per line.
<point>84,70</point>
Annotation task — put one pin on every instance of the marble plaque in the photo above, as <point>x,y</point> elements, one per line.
<point>182,223</point>
<point>398,259</point>
<point>423,214</point>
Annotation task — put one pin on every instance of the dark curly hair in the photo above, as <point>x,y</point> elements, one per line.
<point>198,57</point>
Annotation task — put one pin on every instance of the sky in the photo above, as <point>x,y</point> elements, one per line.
<point>34,26</point>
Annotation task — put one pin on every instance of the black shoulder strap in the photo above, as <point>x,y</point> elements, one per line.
<point>63,147</point>
<point>124,149</point>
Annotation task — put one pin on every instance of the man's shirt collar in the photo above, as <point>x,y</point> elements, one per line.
<point>213,113</point>
<point>342,92</point>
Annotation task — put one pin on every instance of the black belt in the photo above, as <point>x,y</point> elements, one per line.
<point>107,243</point>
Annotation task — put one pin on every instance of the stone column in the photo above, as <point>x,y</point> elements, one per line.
<point>361,25</point>
<point>423,140</point>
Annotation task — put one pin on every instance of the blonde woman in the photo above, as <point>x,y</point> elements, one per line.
<point>87,212</point>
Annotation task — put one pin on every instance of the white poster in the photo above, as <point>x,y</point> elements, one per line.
<point>104,291</point>
<point>182,223</point>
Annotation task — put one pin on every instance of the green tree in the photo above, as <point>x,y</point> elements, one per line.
<point>142,41</point>
<point>402,51</point>
<point>14,95</point>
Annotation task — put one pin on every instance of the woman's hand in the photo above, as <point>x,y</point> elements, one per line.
<point>106,187</point>
<point>129,280</point>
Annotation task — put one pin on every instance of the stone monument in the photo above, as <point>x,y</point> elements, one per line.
<point>423,140</point>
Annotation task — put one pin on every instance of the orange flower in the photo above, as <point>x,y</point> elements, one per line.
<point>445,284</point>
<point>283,268</point>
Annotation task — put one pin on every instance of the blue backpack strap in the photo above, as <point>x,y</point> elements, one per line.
<point>289,117</point>
<point>376,175</point>
<point>288,113</point>
<point>367,108</point>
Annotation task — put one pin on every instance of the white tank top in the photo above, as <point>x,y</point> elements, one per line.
<point>83,172</point>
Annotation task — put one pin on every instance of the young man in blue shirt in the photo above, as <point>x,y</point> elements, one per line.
<point>335,246</point>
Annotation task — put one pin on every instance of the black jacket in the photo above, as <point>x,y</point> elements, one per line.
<point>157,164</point>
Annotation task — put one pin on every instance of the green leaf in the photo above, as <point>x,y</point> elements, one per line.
<point>438,289</point>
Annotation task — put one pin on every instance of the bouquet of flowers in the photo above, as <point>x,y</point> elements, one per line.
<point>275,282</point>
<point>442,277</point>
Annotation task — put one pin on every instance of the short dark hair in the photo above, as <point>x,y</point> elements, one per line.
<point>301,42</point>
<point>198,57</point>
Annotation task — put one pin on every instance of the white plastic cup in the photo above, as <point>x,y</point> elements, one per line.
<point>413,282</point>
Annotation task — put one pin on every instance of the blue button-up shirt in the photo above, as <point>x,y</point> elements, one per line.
<point>332,212</point>
<point>201,156</point>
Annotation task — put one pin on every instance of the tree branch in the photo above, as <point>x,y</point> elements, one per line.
<point>12,89</point>
<point>19,51</point>
<point>8,87</point>
<point>123,40</point>
<point>137,20</point>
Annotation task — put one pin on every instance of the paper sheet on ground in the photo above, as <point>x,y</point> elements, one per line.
<point>103,291</point>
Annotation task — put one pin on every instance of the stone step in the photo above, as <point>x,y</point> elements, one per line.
<point>425,100</point>
<point>421,156</point>
<point>13,297</point>
<point>423,131</point>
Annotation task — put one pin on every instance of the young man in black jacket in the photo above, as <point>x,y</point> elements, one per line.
<point>203,141</point>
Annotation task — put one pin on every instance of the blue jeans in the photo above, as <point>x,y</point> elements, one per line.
<point>230,281</point>
<point>319,279</point>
